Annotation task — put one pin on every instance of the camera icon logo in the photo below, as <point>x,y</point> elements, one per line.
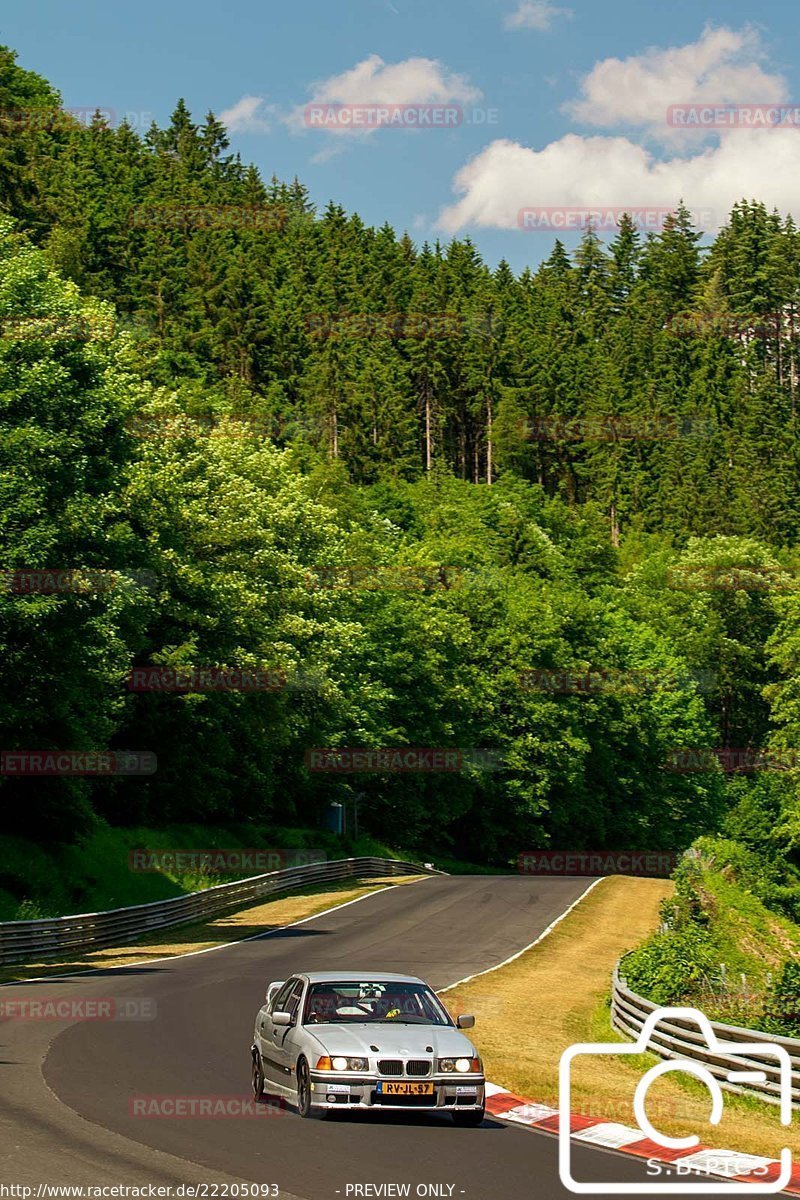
<point>781,1064</point>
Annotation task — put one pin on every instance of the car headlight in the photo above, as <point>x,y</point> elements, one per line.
<point>340,1063</point>
<point>461,1065</point>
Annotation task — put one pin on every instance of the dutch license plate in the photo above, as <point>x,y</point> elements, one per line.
<point>405,1089</point>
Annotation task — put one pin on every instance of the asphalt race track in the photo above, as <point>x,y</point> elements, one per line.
<point>66,1087</point>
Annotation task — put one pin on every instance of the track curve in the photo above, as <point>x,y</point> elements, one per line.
<point>67,1088</point>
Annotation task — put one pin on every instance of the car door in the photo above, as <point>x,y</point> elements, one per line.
<point>286,1037</point>
<point>273,1036</point>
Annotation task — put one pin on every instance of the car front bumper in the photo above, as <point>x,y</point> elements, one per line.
<point>330,1089</point>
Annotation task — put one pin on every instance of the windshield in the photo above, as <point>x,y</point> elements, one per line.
<point>376,1002</point>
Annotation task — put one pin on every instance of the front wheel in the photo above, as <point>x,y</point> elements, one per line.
<point>258,1077</point>
<point>472,1118</point>
<point>303,1088</point>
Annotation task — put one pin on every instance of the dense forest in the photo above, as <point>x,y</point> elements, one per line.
<point>260,437</point>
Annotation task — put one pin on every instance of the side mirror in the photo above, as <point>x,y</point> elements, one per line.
<point>282,1018</point>
<point>465,1022</point>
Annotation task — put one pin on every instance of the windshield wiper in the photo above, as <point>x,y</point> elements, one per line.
<point>404,1021</point>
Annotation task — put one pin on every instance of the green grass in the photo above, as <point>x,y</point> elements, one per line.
<point>751,938</point>
<point>39,880</point>
<point>724,943</point>
<point>456,866</point>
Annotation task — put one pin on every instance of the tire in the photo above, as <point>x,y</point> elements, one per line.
<point>259,1083</point>
<point>471,1119</point>
<point>303,1088</point>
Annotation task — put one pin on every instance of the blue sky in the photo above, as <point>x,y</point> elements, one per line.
<point>564,103</point>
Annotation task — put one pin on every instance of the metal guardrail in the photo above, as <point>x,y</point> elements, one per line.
<point>55,936</point>
<point>678,1038</point>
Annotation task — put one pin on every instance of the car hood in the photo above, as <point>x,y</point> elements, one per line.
<point>400,1041</point>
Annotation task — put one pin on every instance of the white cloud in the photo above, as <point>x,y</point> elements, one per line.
<point>535,14</point>
<point>720,67</point>
<point>248,115</point>
<point>723,66</point>
<point>615,172</point>
<point>414,81</point>
<point>331,151</point>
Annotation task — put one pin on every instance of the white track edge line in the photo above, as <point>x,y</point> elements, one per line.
<point>211,949</point>
<point>292,924</point>
<point>525,949</point>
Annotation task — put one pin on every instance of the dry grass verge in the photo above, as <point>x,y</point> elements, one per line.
<point>556,994</point>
